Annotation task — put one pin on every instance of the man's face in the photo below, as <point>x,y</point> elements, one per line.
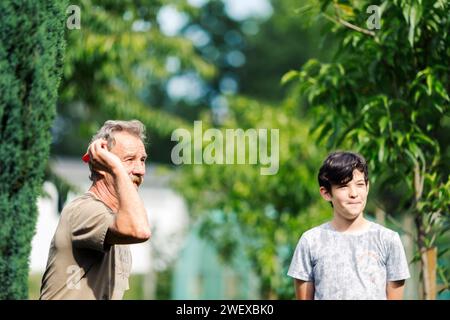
<point>349,200</point>
<point>131,152</point>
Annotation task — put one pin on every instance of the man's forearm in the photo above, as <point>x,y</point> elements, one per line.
<point>131,216</point>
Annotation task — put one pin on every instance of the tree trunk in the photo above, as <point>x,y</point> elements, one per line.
<point>428,258</point>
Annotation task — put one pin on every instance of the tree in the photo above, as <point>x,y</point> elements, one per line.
<point>284,41</point>
<point>386,94</point>
<point>115,67</point>
<point>237,208</point>
<point>262,215</point>
<point>31,52</point>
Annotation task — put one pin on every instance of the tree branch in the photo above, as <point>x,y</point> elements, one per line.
<point>347,24</point>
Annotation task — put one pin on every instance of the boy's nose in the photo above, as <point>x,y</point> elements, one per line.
<point>352,192</point>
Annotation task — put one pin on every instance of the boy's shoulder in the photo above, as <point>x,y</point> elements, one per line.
<point>375,229</point>
<point>381,229</point>
<point>316,231</point>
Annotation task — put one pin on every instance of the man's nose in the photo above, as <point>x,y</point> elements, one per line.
<point>139,168</point>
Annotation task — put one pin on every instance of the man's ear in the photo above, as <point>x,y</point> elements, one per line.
<point>325,194</point>
<point>368,185</point>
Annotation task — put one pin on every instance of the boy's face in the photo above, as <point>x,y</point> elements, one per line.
<point>349,200</point>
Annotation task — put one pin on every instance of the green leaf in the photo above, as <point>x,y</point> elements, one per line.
<point>324,5</point>
<point>383,124</point>
<point>416,151</point>
<point>400,138</point>
<point>424,138</point>
<point>414,15</point>
<point>324,131</point>
<point>347,10</point>
<point>439,88</point>
<point>417,95</point>
<point>413,116</point>
<point>429,84</point>
<point>289,76</point>
<point>303,9</point>
<point>381,144</point>
<point>438,107</point>
<point>411,34</point>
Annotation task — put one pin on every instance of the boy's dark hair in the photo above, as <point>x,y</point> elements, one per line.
<point>338,167</point>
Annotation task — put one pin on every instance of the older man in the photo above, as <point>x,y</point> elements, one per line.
<point>89,256</point>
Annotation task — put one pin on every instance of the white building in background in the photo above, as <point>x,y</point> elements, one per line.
<point>167,214</point>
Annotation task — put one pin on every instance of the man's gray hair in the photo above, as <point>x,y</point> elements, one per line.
<point>110,127</point>
<point>108,130</point>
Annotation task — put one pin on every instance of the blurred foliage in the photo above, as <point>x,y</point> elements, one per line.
<point>284,41</point>
<point>31,53</point>
<point>34,286</point>
<point>136,287</point>
<point>62,185</point>
<point>238,208</point>
<point>164,284</point>
<point>115,68</point>
<point>386,94</point>
<point>120,65</point>
<point>383,93</point>
<point>264,216</point>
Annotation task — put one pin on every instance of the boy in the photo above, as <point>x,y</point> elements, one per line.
<point>348,257</point>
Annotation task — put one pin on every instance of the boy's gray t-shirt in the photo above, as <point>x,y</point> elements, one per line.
<point>349,265</point>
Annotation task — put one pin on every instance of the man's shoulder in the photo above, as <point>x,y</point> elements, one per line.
<point>85,201</point>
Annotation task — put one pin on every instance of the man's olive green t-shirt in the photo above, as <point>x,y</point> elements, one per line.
<point>80,264</point>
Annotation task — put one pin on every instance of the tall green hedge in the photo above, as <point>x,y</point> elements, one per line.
<point>31,52</point>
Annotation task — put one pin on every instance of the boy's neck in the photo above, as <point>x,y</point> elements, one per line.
<point>349,226</point>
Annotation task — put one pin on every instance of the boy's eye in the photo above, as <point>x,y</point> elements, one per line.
<point>361,184</point>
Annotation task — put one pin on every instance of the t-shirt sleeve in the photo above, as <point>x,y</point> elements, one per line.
<point>397,264</point>
<point>89,225</point>
<point>301,265</point>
